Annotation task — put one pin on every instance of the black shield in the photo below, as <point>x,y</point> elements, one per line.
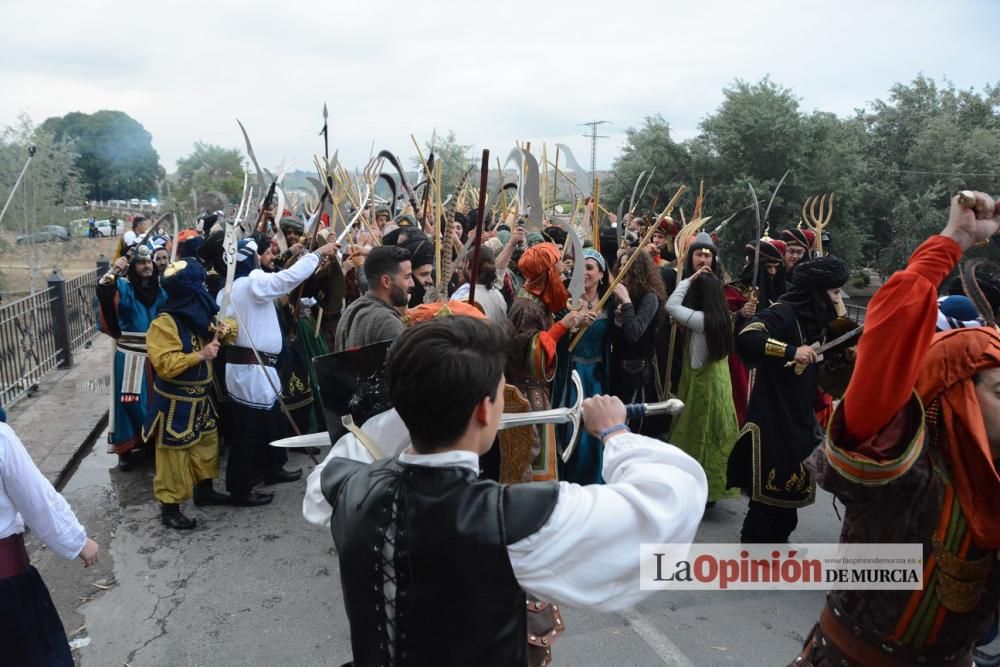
<point>352,382</point>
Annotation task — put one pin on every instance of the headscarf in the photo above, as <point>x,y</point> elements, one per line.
<point>147,290</point>
<point>951,362</point>
<point>538,266</point>
<point>590,253</point>
<point>807,295</point>
<point>293,224</point>
<point>188,300</point>
<point>247,258</point>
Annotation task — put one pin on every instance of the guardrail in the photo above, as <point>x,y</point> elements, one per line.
<point>40,332</point>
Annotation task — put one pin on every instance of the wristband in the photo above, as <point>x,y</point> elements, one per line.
<point>612,429</point>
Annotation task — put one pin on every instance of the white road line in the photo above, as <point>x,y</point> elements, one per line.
<point>659,642</point>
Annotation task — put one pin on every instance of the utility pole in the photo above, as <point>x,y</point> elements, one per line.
<point>594,136</point>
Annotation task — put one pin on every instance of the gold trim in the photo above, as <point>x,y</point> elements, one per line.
<point>753,326</point>
<point>756,493</point>
<point>775,348</point>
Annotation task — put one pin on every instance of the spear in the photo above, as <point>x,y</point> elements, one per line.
<point>484,175</point>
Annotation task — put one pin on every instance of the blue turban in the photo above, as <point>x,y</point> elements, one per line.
<point>188,300</point>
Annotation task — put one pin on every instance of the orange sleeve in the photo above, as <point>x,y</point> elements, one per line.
<point>899,326</point>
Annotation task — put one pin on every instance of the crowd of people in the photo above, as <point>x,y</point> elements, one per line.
<point>214,355</point>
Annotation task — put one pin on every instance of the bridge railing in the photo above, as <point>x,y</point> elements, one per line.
<point>40,332</point>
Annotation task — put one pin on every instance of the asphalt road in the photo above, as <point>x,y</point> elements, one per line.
<point>260,586</point>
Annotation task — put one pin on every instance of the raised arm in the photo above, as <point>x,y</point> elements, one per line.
<point>899,323</point>
<point>684,316</point>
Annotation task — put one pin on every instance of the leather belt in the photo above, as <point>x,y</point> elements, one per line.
<point>832,636</point>
<point>244,355</point>
<point>13,556</point>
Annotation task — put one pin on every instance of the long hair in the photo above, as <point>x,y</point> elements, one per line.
<point>705,295</point>
<point>642,278</point>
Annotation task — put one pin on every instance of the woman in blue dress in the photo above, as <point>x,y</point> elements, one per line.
<point>591,360</point>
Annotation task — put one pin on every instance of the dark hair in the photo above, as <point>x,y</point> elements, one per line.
<point>137,220</point>
<point>705,295</point>
<point>642,278</point>
<point>438,372</point>
<point>487,274</point>
<point>384,260</point>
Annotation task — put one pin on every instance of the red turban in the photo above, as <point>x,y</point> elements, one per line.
<point>538,266</point>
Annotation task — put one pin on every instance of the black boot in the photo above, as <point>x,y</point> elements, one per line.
<point>205,494</point>
<point>282,476</point>
<point>250,499</point>
<point>170,515</point>
<point>124,462</point>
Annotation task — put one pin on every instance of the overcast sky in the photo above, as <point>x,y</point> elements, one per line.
<point>492,72</point>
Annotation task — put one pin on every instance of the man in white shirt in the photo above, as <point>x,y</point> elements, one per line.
<point>435,564</point>
<point>30,630</point>
<point>255,418</point>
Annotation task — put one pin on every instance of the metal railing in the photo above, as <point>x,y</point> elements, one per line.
<point>28,349</point>
<point>40,332</point>
<point>856,313</point>
<point>81,307</point>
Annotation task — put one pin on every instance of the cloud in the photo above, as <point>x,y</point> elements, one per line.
<point>493,73</point>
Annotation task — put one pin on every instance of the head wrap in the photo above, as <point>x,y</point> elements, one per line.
<point>807,295</point>
<point>554,234</point>
<point>796,236</point>
<point>534,238</point>
<point>292,224</point>
<point>821,273</point>
<point>493,243</point>
<point>538,266</point>
<point>246,257</point>
<point>668,226</point>
<point>428,311</point>
<point>769,252</point>
<point>146,289</point>
<point>504,236</point>
<point>957,312</point>
<point>951,362</point>
<point>590,253</point>
<point>421,250</point>
<point>188,300</point>
<point>405,220</point>
<point>189,246</point>
<point>781,246</point>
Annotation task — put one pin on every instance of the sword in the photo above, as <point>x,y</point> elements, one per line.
<point>756,245</point>
<point>571,415</point>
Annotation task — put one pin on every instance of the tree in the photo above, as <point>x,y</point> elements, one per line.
<point>455,161</point>
<point>209,168</point>
<point>116,157</point>
<point>50,193</point>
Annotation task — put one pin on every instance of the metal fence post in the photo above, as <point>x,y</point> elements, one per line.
<point>60,319</point>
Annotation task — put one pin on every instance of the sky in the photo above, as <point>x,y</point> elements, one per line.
<point>494,73</point>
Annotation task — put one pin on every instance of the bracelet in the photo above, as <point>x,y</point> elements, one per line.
<point>612,429</point>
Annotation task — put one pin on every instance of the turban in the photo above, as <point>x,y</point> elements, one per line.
<point>951,362</point>
<point>421,250</point>
<point>799,237</point>
<point>668,226</point>
<point>188,300</point>
<point>292,224</point>
<point>538,266</point>
<point>429,311</point>
<point>769,252</point>
<point>821,273</point>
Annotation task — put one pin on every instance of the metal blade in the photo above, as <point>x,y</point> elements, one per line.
<point>583,182</point>
<point>756,243</point>
<point>575,287</point>
<point>253,157</point>
<point>532,192</point>
<point>635,188</point>
<point>773,195</point>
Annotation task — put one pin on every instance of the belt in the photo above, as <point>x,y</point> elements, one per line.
<point>244,355</point>
<point>13,556</point>
<point>832,636</point>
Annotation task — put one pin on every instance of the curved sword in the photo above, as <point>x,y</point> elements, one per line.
<point>635,188</point>
<point>583,182</point>
<point>773,195</point>
<point>253,157</point>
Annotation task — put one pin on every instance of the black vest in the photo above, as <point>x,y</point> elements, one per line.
<point>457,600</point>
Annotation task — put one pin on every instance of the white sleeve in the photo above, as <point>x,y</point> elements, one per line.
<point>266,287</point>
<point>386,430</point>
<point>692,319</point>
<point>43,509</point>
<point>587,553</point>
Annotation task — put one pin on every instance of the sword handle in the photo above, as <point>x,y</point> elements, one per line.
<point>635,411</point>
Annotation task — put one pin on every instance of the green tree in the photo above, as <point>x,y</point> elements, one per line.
<point>51,192</point>
<point>116,157</point>
<point>455,160</point>
<point>209,168</point>
<point>646,148</point>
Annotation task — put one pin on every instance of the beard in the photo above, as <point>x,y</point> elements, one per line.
<point>398,296</point>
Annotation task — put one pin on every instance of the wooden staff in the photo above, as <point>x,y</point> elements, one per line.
<point>596,238</point>
<point>628,264</point>
<point>484,175</point>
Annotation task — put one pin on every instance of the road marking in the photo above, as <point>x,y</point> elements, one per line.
<point>656,640</point>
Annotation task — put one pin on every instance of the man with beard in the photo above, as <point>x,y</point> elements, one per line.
<point>374,317</point>
<point>293,229</point>
<point>251,374</point>
<point>128,304</point>
<point>182,421</point>
<point>531,364</point>
<point>161,257</point>
<point>421,250</point>
<point>743,304</point>
<point>781,428</point>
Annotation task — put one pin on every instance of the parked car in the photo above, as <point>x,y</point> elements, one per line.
<point>44,234</point>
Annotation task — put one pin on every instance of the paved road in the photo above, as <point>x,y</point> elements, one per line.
<point>259,586</point>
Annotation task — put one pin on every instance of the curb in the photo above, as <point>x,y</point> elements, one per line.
<point>81,453</point>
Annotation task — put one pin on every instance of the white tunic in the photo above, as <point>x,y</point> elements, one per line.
<point>26,497</point>
<point>587,552</point>
<point>253,296</point>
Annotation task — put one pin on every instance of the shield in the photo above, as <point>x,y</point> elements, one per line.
<point>352,383</point>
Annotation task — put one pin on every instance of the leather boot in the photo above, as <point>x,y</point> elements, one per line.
<point>250,499</point>
<point>170,515</point>
<point>205,494</point>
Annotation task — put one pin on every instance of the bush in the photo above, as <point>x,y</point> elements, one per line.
<point>861,279</point>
